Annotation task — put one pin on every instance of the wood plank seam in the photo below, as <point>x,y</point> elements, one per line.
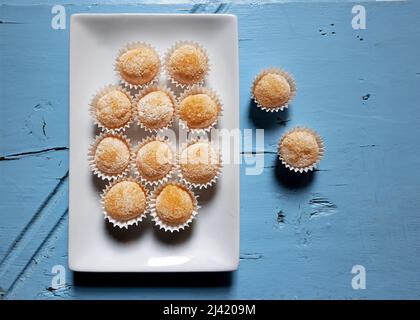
<point>23,248</point>
<point>34,217</point>
<point>9,292</point>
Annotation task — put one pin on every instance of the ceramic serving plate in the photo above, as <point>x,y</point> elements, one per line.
<point>212,242</point>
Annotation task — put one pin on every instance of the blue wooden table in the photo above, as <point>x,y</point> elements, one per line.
<point>300,235</point>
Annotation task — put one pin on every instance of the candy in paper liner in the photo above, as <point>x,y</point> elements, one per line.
<point>168,56</point>
<point>289,79</point>
<point>128,47</point>
<point>92,150</point>
<point>99,95</point>
<point>134,162</point>
<point>199,90</point>
<point>321,150</point>
<point>127,223</point>
<point>199,185</point>
<point>145,92</point>
<point>161,224</point>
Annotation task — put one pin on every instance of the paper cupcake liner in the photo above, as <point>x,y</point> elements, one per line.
<point>142,94</point>
<point>168,55</point>
<point>199,90</point>
<point>100,93</point>
<point>289,79</point>
<point>91,156</point>
<point>127,223</point>
<point>320,153</point>
<point>134,160</point>
<point>161,224</point>
<point>130,46</point>
<point>199,185</point>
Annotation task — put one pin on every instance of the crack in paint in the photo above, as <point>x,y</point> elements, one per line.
<point>269,167</point>
<point>10,22</point>
<point>282,122</point>
<point>20,155</point>
<point>258,152</point>
<point>44,124</point>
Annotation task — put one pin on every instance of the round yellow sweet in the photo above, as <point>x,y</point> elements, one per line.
<point>139,66</point>
<point>174,205</point>
<point>198,111</point>
<point>112,155</point>
<point>199,163</point>
<point>113,109</point>
<point>154,160</point>
<point>272,90</point>
<point>125,200</point>
<point>187,64</point>
<point>155,110</point>
<point>299,149</point>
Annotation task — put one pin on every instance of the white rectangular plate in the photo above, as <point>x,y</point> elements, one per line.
<point>212,243</point>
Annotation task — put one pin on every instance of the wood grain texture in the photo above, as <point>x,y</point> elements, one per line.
<point>300,237</point>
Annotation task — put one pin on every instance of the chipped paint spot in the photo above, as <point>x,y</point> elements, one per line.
<point>61,292</point>
<point>251,256</point>
<point>281,217</point>
<point>366,97</point>
<point>321,207</point>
